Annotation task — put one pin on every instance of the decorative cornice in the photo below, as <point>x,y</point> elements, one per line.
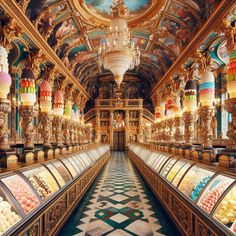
<point>14,11</point>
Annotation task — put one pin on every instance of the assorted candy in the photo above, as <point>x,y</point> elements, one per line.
<point>62,170</point>
<point>43,182</point>
<point>22,192</point>
<point>167,167</point>
<point>226,211</point>
<point>197,190</point>
<point>8,216</point>
<point>212,196</point>
<point>68,109</point>
<point>194,176</point>
<point>56,174</point>
<point>174,170</point>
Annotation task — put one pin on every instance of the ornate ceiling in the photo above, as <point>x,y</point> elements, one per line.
<point>74,29</point>
<point>161,28</point>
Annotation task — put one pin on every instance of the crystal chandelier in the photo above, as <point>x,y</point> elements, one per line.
<point>118,54</point>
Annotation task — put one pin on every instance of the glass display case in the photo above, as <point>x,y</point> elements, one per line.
<point>73,163</point>
<point>181,173</point>
<point>9,215</point>
<point>56,174</point>
<point>23,193</point>
<point>77,160</point>
<point>152,159</point>
<point>175,169</point>
<point>69,166</point>
<point>168,165</point>
<point>62,170</point>
<point>213,192</point>
<point>161,161</point>
<point>225,212</point>
<point>42,181</point>
<point>194,181</point>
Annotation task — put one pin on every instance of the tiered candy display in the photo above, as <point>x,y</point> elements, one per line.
<point>68,109</point>
<point>231,78</point>
<point>207,89</point>
<point>27,88</point>
<point>5,78</point>
<point>194,176</point>
<point>198,188</point>
<point>8,216</point>
<point>45,97</point>
<point>226,211</point>
<point>58,106</point>
<point>42,181</point>
<point>212,196</point>
<point>190,96</point>
<point>22,192</point>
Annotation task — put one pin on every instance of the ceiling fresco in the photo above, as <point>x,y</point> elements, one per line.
<point>162,29</point>
<point>102,7</point>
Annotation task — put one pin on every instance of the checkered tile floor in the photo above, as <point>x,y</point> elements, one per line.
<point>118,205</point>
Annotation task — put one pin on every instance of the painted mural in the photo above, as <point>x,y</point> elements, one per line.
<point>103,6</point>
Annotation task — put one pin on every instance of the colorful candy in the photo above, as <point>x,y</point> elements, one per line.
<point>22,192</point>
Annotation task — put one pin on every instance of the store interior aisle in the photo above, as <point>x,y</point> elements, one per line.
<point>119,203</point>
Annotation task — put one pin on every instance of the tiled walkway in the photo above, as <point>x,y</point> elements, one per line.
<point>119,204</point>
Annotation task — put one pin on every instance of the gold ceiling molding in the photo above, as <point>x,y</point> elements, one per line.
<point>89,16</point>
<point>212,23</point>
<point>12,8</point>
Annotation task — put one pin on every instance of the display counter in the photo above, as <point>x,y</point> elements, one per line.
<point>199,199</point>
<point>37,200</point>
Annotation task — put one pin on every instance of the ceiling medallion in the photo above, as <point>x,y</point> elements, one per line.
<point>119,53</point>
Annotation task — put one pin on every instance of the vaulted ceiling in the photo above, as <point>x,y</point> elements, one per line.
<point>161,28</point>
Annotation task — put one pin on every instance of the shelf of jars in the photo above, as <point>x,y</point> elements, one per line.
<point>199,198</point>
<point>37,200</point>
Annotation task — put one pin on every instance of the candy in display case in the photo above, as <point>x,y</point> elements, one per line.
<point>225,212</point>
<point>56,174</point>
<point>9,216</point>
<point>175,169</point>
<point>69,166</point>
<point>194,181</point>
<point>23,193</point>
<point>42,181</point>
<point>168,166</point>
<point>77,160</point>
<point>62,170</point>
<point>181,173</point>
<point>213,192</point>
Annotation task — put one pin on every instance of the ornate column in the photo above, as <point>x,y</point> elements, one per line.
<point>206,110</point>
<point>111,128</point>
<point>67,122</point>
<point>28,98</point>
<point>179,134</point>
<point>5,107</point>
<point>190,104</point>
<point>45,112</point>
<point>58,110</point>
<point>97,127</point>
<point>127,128</point>
<point>140,138</point>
